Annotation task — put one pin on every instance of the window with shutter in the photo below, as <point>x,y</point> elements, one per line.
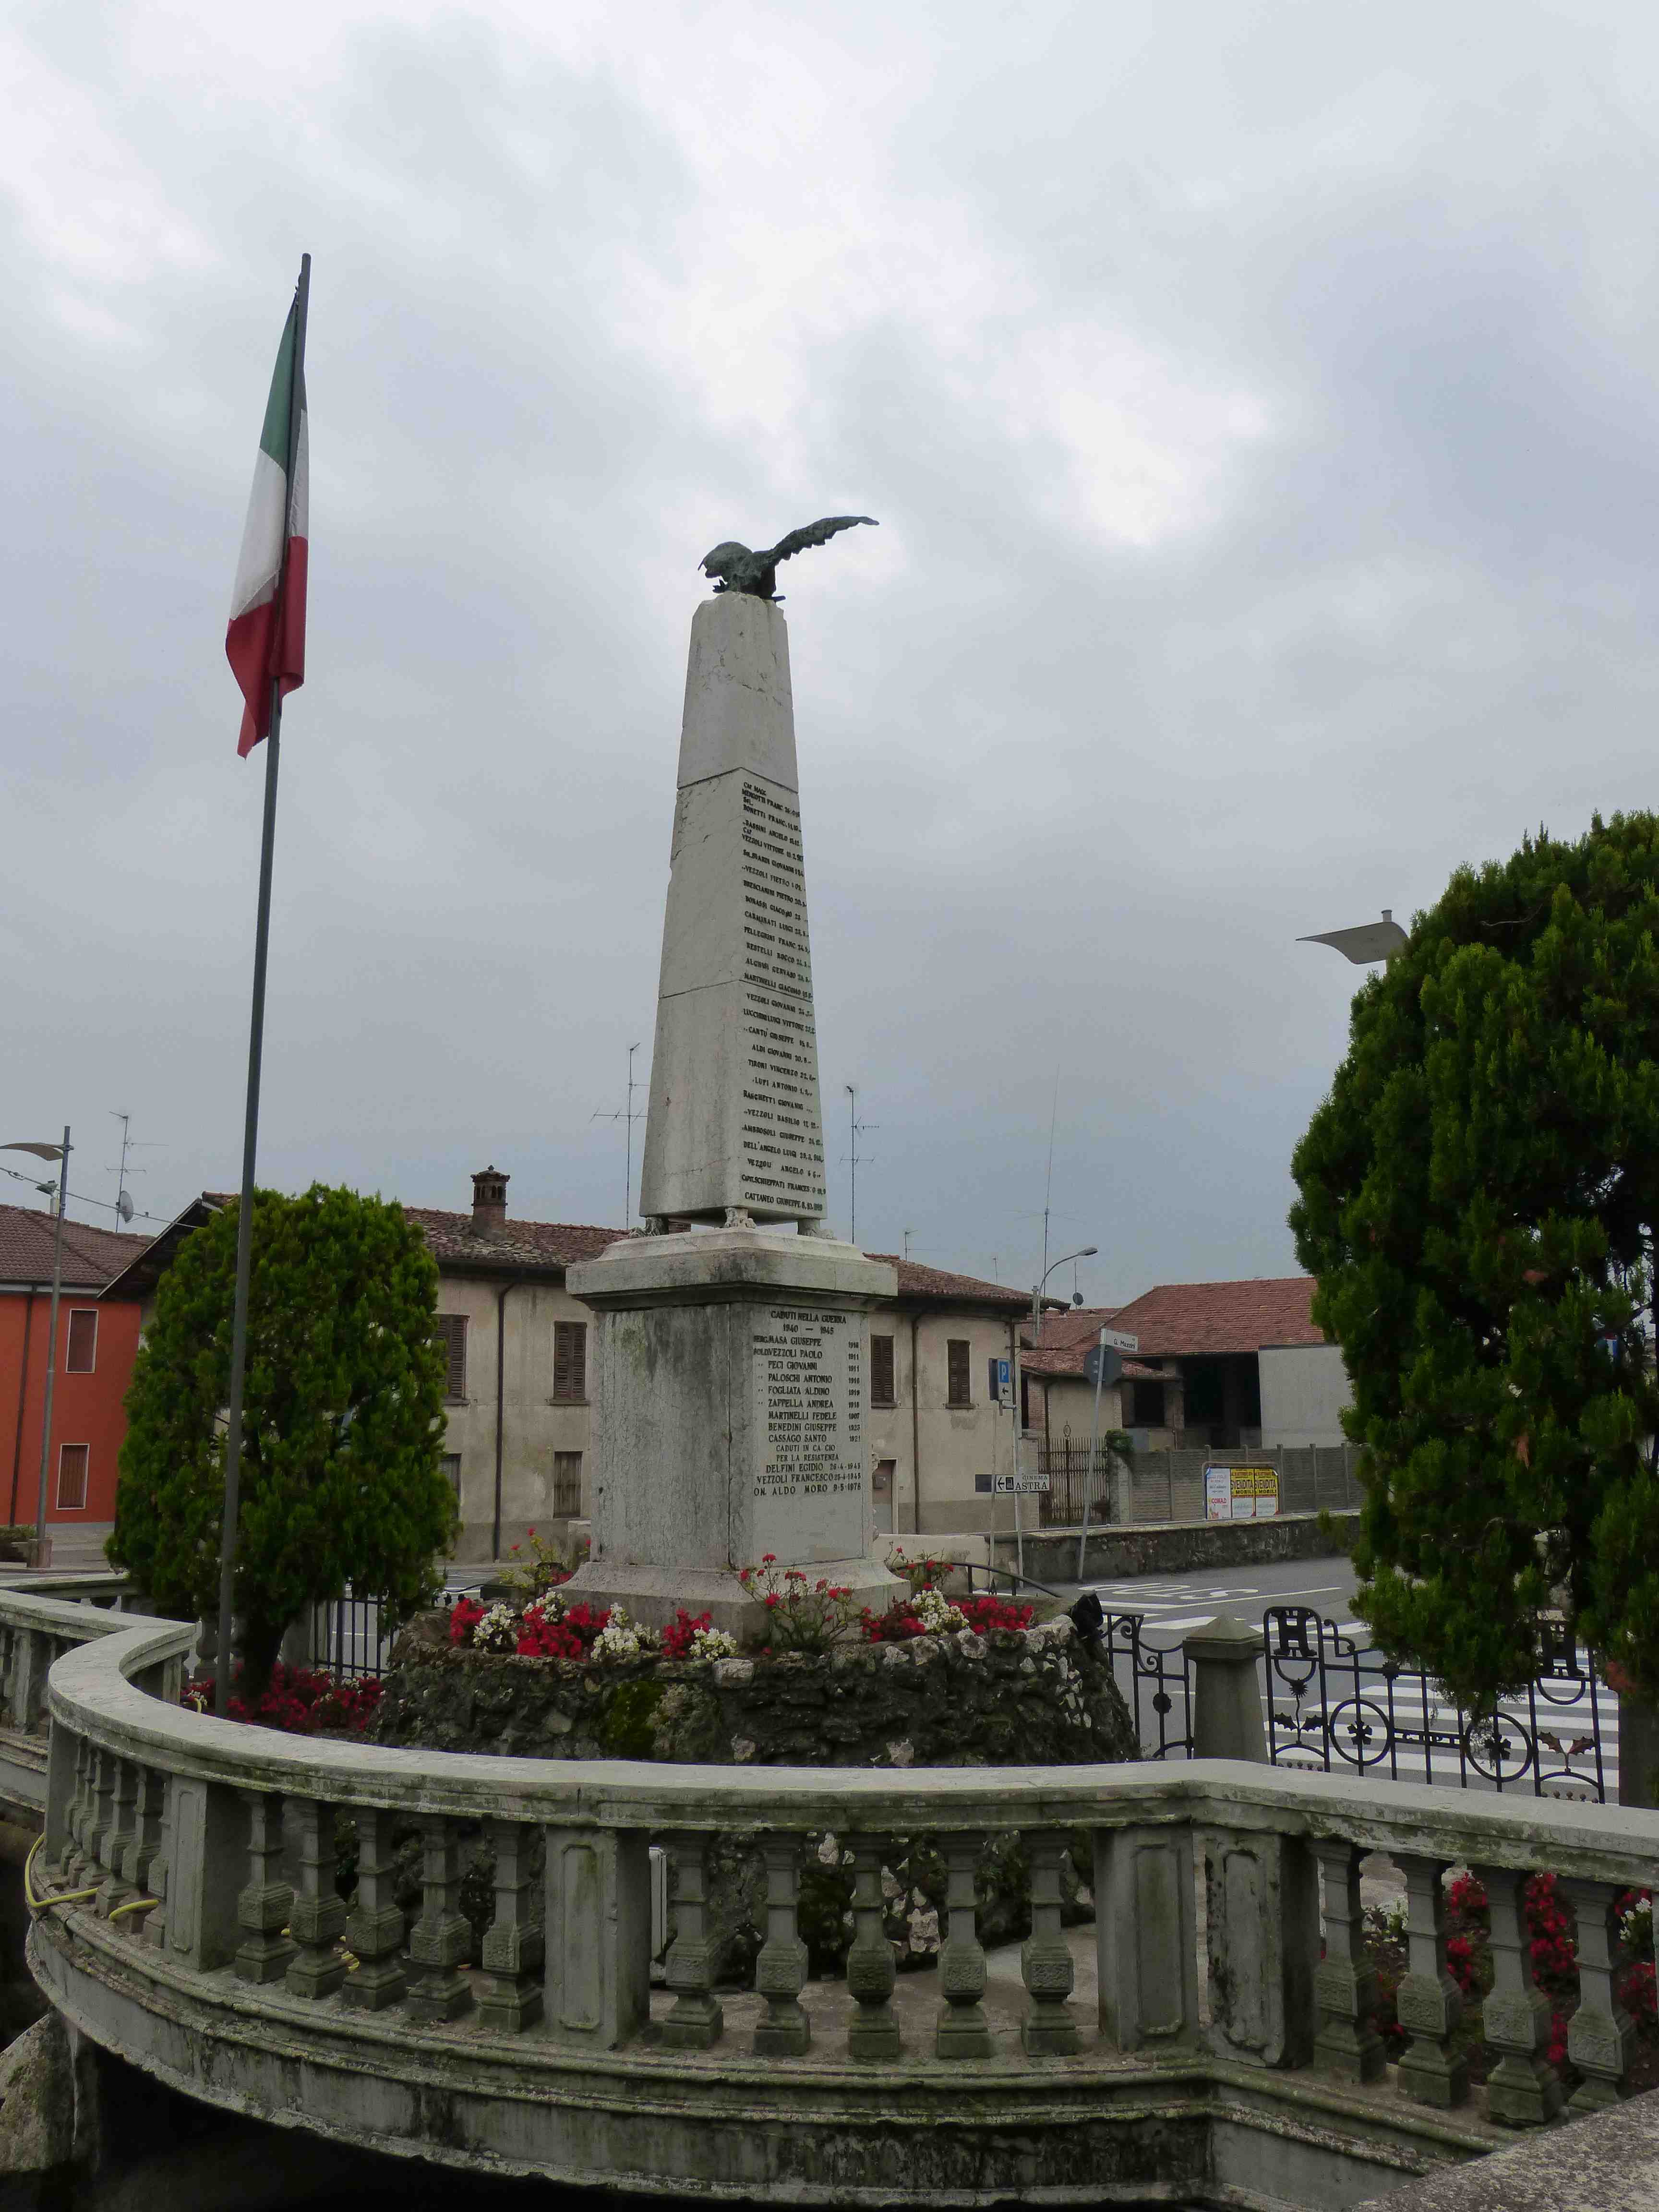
<point>72,1477</point>
<point>881,1370</point>
<point>451,1463</point>
<point>452,1334</point>
<point>957,1352</point>
<point>568,1483</point>
<point>570,1362</point>
<point>81,1349</point>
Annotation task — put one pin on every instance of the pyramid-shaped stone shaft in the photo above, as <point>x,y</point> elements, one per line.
<point>734,1123</point>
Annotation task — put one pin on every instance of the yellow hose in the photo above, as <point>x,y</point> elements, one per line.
<point>64,1897</point>
<point>134,1905</point>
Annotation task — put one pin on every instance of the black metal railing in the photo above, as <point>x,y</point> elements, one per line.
<point>1343,1705</point>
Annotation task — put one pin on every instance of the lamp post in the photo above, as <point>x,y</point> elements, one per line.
<point>43,1151</point>
<point>1083,1252</point>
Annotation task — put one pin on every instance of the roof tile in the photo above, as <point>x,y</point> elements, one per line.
<point>92,1257</point>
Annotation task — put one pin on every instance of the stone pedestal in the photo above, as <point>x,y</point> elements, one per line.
<point>729,1381</point>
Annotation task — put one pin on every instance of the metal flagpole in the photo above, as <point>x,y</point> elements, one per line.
<point>221,1671</point>
<point>51,1349</point>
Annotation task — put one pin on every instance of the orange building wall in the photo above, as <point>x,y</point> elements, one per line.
<point>86,1409</point>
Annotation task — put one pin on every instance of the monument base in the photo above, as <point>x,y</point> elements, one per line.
<point>654,1596</point>
<point>730,1383</point>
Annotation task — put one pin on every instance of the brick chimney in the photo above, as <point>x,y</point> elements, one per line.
<point>489,1201</point>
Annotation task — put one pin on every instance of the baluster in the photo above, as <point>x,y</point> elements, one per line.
<point>514,1945</point>
<point>696,2019</point>
<point>1045,1958</point>
<point>963,2031</point>
<point>95,1826</point>
<point>80,1806</point>
<point>317,1917</point>
<point>1345,1982</point>
<point>1522,2089</point>
<point>119,1834</point>
<point>144,1845</point>
<point>1601,2034</point>
<point>441,1938</point>
<point>156,1921</point>
<point>1430,2004</point>
<point>873,2031</point>
<point>263,1907</point>
<point>784,2030</point>
<point>375,1930</point>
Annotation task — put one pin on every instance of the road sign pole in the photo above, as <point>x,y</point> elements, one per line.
<point>1094,1439</point>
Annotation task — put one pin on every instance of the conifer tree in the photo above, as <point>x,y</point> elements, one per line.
<point>343,1419</point>
<point>1478,1199</point>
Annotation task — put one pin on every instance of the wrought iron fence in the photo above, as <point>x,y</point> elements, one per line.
<point>1157,1683</point>
<point>1345,1706</point>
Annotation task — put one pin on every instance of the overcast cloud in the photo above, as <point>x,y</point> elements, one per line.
<point>1258,406</point>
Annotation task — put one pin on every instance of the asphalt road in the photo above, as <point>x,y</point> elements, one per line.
<point>1174,1603</point>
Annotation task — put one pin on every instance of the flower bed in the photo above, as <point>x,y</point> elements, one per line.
<point>299,1700</point>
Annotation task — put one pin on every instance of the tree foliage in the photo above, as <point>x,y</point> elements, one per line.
<point>343,1414</point>
<point>1478,1197</point>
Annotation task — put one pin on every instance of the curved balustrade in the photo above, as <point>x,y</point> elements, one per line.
<point>1224,2042</point>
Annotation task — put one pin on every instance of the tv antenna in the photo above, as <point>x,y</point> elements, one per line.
<point>855,1130</point>
<point>124,1208</point>
<point>630,1113</point>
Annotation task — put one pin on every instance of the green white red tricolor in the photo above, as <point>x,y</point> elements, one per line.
<point>265,644</point>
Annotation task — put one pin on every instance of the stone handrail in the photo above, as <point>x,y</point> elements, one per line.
<point>204,1854</point>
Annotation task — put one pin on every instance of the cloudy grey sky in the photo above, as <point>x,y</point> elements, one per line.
<point>1259,405</point>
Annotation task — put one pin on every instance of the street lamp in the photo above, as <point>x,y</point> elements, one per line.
<point>1084,1252</point>
<point>43,1151</point>
<point>1367,942</point>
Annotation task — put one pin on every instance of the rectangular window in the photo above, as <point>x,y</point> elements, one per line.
<point>1148,1405</point>
<point>993,1389</point>
<point>881,1370</point>
<point>567,1484</point>
<point>958,1351</point>
<point>72,1478</point>
<point>80,1348</point>
<point>570,1362</point>
<point>452,1466</point>
<point>882,1482</point>
<point>452,1334</point>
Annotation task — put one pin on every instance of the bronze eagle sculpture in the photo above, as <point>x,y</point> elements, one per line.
<point>736,569</point>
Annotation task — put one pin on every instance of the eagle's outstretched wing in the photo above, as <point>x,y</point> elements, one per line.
<point>812,534</point>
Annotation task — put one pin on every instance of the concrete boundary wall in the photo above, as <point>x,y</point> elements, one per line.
<point>1179,1547</point>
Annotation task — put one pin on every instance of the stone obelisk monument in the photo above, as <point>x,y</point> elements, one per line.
<point>730,1370</point>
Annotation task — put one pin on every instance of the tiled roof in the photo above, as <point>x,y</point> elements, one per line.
<point>453,1241</point>
<point>91,1256</point>
<point>935,1286</point>
<point>1075,1328</point>
<point>1192,1319</point>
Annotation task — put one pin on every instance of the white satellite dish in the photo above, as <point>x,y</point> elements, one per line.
<point>124,1206</point>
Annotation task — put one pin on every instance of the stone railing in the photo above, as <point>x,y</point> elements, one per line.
<point>1201,2037</point>
<point>40,1619</point>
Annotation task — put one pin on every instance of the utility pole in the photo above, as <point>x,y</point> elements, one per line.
<point>630,1117</point>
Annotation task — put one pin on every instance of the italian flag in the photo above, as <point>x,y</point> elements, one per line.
<point>265,644</point>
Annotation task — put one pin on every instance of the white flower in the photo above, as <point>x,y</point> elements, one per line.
<point>829,1852</point>
<point>901,1753</point>
<point>712,1643</point>
<point>619,1638</point>
<point>498,1631</point>
<point>936,1614</point>
<point>924,1931</point>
